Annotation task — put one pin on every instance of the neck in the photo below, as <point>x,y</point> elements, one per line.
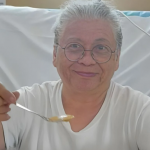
<point>79,99</point>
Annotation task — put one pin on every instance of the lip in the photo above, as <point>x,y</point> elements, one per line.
<point>86,74</point>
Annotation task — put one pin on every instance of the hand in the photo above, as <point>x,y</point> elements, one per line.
<point>6,98</point>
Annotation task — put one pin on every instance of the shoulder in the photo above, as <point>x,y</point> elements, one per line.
<point>44,87</point>
<point>129,92</point>
<point>132,108</point>
<point>39,94</point>
<point>132,98</point>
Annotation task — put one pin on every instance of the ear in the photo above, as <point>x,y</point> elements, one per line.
<point>54,56</point>
<point>117,57</point>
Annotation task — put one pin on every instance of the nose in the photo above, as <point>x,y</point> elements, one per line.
<point>87,58</point>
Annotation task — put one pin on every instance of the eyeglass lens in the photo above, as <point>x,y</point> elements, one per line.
<point>76,51</point>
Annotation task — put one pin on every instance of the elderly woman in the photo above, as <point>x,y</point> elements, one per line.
<point>86,54</point>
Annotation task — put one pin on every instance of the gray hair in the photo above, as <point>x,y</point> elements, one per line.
<point>88,9</point>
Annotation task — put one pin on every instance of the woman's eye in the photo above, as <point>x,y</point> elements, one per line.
<point>74,45</point>
<point>100,47</point>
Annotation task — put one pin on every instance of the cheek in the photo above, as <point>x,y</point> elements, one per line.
<point>63,66</point>
<point>108,69</point>
<point>59,59</point>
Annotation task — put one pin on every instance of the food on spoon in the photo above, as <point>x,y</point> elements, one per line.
<point>61,118</point>
<point>68,118</point>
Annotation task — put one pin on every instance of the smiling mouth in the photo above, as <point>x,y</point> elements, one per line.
<point>86,74</point>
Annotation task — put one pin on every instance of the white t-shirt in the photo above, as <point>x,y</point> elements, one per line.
<point>123,122</point>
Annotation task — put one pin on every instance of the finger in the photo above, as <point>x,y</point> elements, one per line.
<point>2,102</point>
<point>16,94</point>
<point>6,95</point>
<point>4,109</point>
<point>4,117</point>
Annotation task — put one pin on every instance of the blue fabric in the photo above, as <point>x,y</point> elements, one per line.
<point>137,13</point>
<point>127,13</point>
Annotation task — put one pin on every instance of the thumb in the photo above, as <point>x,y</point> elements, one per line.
<point>16,94</point>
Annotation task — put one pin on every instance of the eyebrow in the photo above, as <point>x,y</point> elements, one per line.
<point>77,39</point>
<point>97,40</point>
<point>101,40</point>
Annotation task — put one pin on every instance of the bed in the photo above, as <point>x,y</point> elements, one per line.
<point>26,47</point>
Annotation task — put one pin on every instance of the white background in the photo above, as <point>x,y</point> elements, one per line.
<point>26,48</point>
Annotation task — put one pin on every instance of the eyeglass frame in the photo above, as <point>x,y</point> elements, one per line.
<point>112,52</point>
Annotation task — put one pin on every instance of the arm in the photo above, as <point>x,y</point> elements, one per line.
<point>6,98</point>
<point>143,129</point>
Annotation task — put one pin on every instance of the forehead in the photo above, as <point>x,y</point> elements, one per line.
<point>88,31</point>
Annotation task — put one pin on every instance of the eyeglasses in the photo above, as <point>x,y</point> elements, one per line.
<point>100,53</point>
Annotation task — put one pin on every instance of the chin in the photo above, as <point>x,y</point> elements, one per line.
<point>85,86</point>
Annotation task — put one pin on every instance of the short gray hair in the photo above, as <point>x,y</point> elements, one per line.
<point>88,9</point>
